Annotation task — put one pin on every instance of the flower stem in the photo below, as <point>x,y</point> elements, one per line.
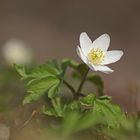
<point>70,87</point>
<point>82,82</point>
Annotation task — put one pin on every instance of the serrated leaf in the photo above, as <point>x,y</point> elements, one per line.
<point>88,100</point>
<point>48,111</point>
<point>44,70</point>
<point>21,70</point>
<point>79,69</point>
<point>56,110</point>
<point>74,106</point>
<point>108,112</point>
<point>38,87</point>
<point>105,97</point>
<point>73,64</point>
<point>68,62</point>
<point>42,79</point>
<point>59,109</point>
<point>31,97</point>
<point>53,89</point>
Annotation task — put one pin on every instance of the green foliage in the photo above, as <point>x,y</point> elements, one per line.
<point>87,102</point>
<point>48,77</point>
<point>56,109</point>
<point>82,112</point>
<point>22,71</point>
<point>42,71</point>
<point>59,109</point>
<point>68,62</point>
<point>129,129</point>
<point>41,79</point>
<point>37,88</point>
<point>71,63</point>
<point>88,112</point>
<point>108,112</point>
<point>98,114</point>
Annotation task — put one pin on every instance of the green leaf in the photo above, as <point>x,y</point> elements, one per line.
<point>88,120</point>
<point>105,97</point>
<point>103,114</point>
<point>37,88</point>
<point>97,80</point>
<point>68,63</point>
<point>48,111</point>
<point>31,97</point>
<point>53,89</point>
<point>79,69</point>
<point>56,103</point>
<point>42,79</point>
<point>42,71</point>
<point>88,100</point>
<point>73,64</point>
<point>41,85</point>
<point>21,70</point>
<point>75,122</point>
<point>70,123</point>
<point>56,110</point>
<point>108,113</point>
<point>73,106</point>
<point>45,70</point>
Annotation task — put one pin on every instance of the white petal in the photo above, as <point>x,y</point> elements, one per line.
<point>112,57</point>
<point>91,66</point>
<point>81,55</point>
<point>102,42</point>
<point>85,43</point>
<point>104,69</point>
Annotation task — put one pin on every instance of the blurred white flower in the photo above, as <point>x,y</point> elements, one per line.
<point>17,52</point>
<point>95,53</point>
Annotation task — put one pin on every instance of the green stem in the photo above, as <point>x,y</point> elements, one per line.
<point>82,82</point>
<point>70,87</point>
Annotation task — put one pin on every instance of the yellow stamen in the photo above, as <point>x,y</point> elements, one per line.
<point>96,56</point>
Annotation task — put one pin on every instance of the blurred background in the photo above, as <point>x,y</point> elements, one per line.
<point>51,28</point>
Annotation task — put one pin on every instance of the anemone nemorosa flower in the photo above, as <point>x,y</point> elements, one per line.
<point>95,53</point>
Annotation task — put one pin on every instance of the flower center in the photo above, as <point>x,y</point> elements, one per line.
<point>96,56</point>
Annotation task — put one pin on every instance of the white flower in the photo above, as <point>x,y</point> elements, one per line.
<point>95,53</point>
<point>17,52</point>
